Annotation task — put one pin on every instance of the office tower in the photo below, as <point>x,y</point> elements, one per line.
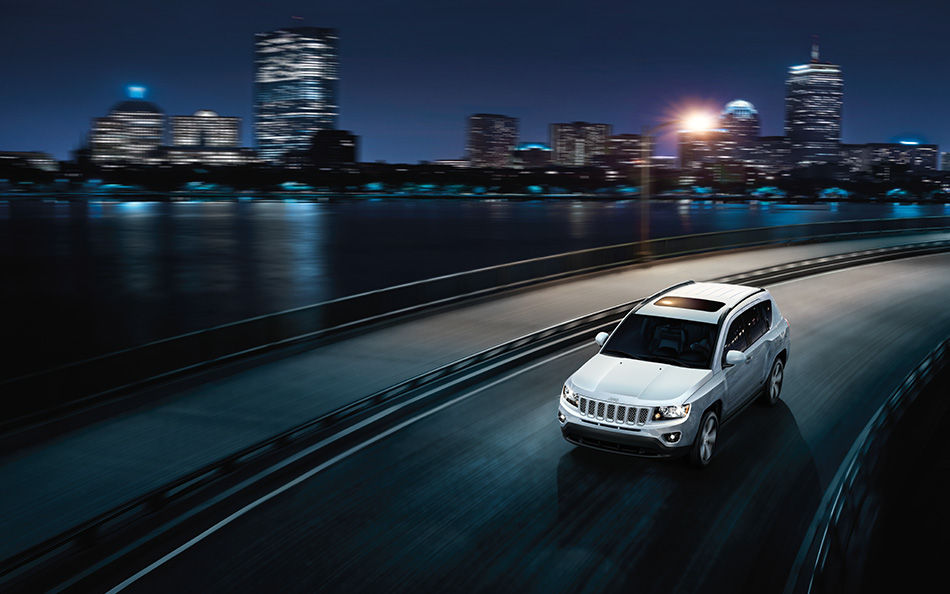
<point>579,143</point>
<point>206,128</point>
<point>295,89</point>
<point>945,161</point>
<point>813,97</point>
<point>130,134</point>
<point>491,140</point>
<point>741,120</point>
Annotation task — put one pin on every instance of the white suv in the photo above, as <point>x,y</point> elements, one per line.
<point>680,363</point>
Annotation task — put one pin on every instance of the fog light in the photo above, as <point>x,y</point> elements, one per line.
<point>562,418</point>
<point>672,437</point>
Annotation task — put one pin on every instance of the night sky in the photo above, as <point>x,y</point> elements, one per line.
<point>411,70</point>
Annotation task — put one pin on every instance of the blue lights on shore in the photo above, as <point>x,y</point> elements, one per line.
<point>910,142</point>
<point>135,91</point>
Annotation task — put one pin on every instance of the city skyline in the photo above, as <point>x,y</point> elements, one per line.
<point>433,127</point>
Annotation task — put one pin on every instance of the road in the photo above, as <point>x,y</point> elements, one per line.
<point>176,428</point>
<point>484,495</point>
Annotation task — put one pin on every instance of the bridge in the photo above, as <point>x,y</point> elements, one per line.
<point>406,439</point>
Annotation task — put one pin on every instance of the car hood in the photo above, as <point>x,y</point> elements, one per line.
<point>636,382</point>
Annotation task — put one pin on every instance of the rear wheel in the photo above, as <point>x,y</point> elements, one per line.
<point>704,445</point>
<point>773,384</point>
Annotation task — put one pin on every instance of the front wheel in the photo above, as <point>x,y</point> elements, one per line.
<point>773,385</point>
<point>705,443</point>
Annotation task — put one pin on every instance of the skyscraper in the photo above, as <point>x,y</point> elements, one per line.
<point>579,143</point>
<point>130,134</point>
<point>491,140</point>
<point>741,120</point>
<point>813,97</point>
<point>295,88</point>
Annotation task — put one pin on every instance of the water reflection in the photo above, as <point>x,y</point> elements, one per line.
<point>100,275</point>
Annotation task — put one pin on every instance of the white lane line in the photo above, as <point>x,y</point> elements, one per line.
<point>313,471</point>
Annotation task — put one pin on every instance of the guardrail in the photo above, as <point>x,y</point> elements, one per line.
<point>477,366</point>
<point>121,370</point>
<point>840,532</point>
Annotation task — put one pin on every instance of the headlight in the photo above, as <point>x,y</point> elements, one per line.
<point>569,395</point>
<point>671,412</point>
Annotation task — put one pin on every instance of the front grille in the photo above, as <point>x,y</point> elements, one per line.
<point>643,416</point>
<point>617,414</point>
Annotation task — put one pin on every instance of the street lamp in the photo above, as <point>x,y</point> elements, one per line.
<point>695,122</point>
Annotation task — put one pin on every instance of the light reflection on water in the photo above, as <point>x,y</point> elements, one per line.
<point>101,275</point>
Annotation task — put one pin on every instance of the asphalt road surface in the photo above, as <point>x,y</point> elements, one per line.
<point>484,495</point>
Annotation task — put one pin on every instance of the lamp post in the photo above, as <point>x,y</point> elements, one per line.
<point>693,123</point>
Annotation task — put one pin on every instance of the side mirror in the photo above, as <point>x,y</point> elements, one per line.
<point>601,338</point>
<point>735,357</point>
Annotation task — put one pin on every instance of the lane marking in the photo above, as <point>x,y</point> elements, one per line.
<point>342,456</point>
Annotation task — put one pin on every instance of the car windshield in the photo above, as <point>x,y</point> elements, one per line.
<point>663,340</point>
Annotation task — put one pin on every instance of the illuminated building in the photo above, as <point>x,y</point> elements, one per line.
<point>491,140</point>
<point>579,143</point>
<point>698,148</point>
<point>30,159</point>
<point>945,161</point>
<point>741,121</point>
<point>295,88</point>
<point>625,150</point>
<point>911,156</point>
<point>206,128</point>
<point>813,98</point>
<point>206,138</point>
<point>772,154</point>
<point>532,154</point>
<point>131,134</point>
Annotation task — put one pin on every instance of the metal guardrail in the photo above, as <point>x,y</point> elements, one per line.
<point>506,355</point>
<point>104,375</point>
<point>841,529</point>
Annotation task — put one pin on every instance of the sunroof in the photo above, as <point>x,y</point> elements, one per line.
<point>690,303</point>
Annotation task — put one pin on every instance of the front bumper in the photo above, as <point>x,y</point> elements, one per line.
<point>644,440</point>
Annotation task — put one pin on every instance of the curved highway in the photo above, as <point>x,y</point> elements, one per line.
<point>484,495</point>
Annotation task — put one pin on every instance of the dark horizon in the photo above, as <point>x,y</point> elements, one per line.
<point>412,72</point>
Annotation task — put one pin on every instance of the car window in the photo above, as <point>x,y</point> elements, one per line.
<point>736,336</point>
<point>746,328</point>
<point>664,340</point>
<point>767,313</point>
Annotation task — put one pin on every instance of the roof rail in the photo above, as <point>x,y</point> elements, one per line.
<point>728,310</point>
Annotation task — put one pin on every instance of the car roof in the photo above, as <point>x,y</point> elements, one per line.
<point>728,296</point>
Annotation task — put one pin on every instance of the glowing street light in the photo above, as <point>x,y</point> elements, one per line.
<point>699,122</point>
<point>694,122</point>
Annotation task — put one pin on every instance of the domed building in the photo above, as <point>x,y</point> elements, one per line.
<point>131,134</point>
<point>741,120</point>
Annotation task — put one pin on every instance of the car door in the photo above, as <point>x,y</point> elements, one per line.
<point>744,334</point>
<point>757,349</point>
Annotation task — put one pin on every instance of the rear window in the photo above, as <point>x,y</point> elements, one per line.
<point>690,303</point>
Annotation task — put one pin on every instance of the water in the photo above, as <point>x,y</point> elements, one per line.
<point>84,278</point>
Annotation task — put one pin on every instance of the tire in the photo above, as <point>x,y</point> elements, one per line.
<point>773,383</point>
<point>704,446</point>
